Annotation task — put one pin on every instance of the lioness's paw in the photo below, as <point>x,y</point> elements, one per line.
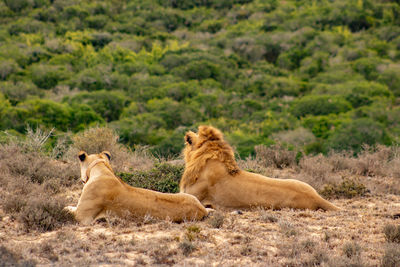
<point>210,211</point>
<point>71,209</point>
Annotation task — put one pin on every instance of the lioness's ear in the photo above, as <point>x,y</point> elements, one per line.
<point>82,155</point>
<point>108,154</point>
<point>210,133</point>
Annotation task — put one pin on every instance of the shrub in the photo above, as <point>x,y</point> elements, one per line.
<point>187,247</point>
<point>216,220</point>
<point>101,39</point>
<point>47,76</point>
<point>122,159</point>
<point>19,91</point>
<point>319,105</point>
<point>145,128</point>
<point>368,67</point>
<point>108,104</point>
<point>98,78</point>
<point>51,114</point>
<point>44,214</point>
<point>391,79</point>
<point>322,126</point>
<point>346,189</point>
<point>353,135</point>
<point>26,26</point>
<point>20,160</point>
<point>7,67</point>
<point>171,144</point>
<point>291,59</point>
<point>246,142</point>
<point>17,5</point>
<point>173,113</point>
<point>201,70</point>
<point>351,249</point>
<point>392,233</point>
<point>391,256</point>
<point>276,156</point>
<point>97,21</point>
<point>10,258</point>
<point>163,178</point>
<point>297,137</point>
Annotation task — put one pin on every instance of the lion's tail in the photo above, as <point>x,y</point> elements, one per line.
<point>327,206</point>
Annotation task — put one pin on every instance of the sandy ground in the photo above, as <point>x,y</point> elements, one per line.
<point>253,238</point>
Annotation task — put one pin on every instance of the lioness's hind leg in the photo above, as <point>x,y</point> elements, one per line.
<point>87,213</point>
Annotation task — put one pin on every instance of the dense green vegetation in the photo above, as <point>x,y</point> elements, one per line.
<point>260,70</point>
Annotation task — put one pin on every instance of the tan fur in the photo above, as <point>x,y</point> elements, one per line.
<point>212,175</point>
<point>103,192</point>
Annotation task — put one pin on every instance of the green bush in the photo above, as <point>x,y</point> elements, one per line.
<point>108,105</point>
<point>100,39</point>
<point>98,78</point>
<point>19,91</point>
<point>26,26</point>
<point>320,105</point>
<point>97,21</point>
<point>163,177</point>
<point>322,126</point>
<point>173,113</point>
<point>48,76</point>
<point>7,67</point>
<point>246,142</point>
<point>50,114</point>
<point>201,70</point>
<point>368,67</point>
<point>391,78</point>
<point>353,135</point>
<point>17,5</point>
<point>144,128</point>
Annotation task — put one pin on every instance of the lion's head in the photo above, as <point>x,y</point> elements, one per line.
<point>207,144</point>
<point>88,161</point>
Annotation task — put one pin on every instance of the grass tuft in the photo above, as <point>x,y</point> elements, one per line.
<point>392,233</point>
<point>391,256</point>
<point>217,220</point>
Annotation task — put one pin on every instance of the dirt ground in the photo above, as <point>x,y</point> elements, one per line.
<point>287,237</point>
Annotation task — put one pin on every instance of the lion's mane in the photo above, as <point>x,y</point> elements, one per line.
<point>210,145</point>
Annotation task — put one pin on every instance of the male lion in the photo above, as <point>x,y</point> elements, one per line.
<point>103,191</point>
<point>212,175</point>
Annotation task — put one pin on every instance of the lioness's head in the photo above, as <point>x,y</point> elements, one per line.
<point>86,161</point>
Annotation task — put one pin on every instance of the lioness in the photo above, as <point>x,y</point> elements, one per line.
<point>103,191</point>
<point>212,175</point>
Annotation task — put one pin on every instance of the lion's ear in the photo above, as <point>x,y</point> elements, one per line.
<point>82,155</point>
<point>210,133</point>
<point>107,153</point>
<point>188,138</point>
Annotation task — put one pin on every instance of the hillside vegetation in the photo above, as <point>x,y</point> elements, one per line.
<point>316,75</point>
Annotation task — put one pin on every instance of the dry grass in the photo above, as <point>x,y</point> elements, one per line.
<point>276,156</point>
<point>392,233</point>
<point>34,187</point>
